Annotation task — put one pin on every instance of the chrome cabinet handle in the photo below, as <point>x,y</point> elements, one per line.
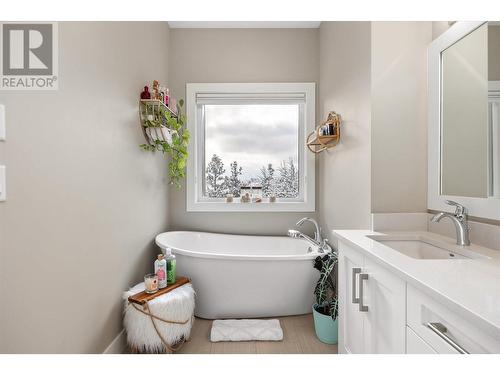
<point>362,307</point>
<point>355,271</point>
<point>440,330</point>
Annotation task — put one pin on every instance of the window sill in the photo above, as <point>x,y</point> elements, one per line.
<point>237,206</point>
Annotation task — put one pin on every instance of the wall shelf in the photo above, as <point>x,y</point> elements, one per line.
<point>323,140</point>
<point>156,103</point>
<point>154,109</point>
<point>316,142</point>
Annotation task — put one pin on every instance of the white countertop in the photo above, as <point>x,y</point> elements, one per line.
<point>471,287</point>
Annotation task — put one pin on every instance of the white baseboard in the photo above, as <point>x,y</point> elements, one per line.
<point>118,345</point>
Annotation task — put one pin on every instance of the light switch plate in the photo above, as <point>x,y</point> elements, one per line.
<point>3,184</point>
<point>2,122</point>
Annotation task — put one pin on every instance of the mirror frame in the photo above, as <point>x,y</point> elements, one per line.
<point>488,208</point>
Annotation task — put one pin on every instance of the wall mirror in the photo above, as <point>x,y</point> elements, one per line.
<point>464,118</point>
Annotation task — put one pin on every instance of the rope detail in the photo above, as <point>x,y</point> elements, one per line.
<point>173,348</point>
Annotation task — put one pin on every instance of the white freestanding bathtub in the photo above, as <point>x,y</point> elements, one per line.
<point>238,276</point>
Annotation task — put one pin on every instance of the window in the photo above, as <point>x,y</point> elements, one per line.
<point>248,140</point>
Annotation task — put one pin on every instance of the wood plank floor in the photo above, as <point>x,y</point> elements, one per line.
<point>298,337</point>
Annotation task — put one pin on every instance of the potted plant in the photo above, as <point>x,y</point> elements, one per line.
<point>325,310</point>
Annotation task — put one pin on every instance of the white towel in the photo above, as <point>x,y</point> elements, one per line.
<point>246,330</point>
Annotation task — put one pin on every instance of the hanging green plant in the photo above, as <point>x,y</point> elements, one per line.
<point>166,132</point>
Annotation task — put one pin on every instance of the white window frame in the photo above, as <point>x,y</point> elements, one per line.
<point>258,92</point>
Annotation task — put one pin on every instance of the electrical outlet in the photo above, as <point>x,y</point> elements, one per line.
<point>3,184</point>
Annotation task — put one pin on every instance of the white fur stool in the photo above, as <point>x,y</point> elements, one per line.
<point>163,323</point>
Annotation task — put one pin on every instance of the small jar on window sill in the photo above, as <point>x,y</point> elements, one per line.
<point>272,199</point>
<point>229,198</point>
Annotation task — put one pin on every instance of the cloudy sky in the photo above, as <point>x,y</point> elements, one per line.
<point>253,135</point>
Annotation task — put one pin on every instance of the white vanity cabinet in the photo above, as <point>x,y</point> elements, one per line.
<point>380,313</point>
<point>351,320</point>
<point>372,306</point>
<point>415,345</point>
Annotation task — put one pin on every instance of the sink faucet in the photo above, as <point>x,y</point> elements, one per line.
<point>318,240</point>
<point>459,218</point>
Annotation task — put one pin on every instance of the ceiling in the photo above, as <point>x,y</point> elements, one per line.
<point>244,24</point>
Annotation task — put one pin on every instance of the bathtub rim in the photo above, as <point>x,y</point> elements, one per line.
<point>199,254</point>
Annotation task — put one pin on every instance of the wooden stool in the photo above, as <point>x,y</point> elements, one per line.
<point>160,322</point>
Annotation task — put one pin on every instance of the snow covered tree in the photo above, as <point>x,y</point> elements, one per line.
<point>266,179</point>
<point>287,185</point>
<point>215,178</point>
<point>233,182</point>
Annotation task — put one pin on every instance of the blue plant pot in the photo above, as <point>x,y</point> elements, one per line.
<point>326,328</point>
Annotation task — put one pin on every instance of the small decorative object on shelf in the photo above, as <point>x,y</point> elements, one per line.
<point>245,198</point>
<point>159,133</point>
<point>156,90</point>
<point>166,96</point>
<point>146,94</point>
<point>160,266</point>
<point>272,199</point>
<point>229,198</point>
<point>326,135</point>
<point>257,200</point>
<point>151,283</point>
<point>172,104</point>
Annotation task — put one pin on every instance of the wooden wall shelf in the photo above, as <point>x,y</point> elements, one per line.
<point>323,140</point>
<point>316,142</point>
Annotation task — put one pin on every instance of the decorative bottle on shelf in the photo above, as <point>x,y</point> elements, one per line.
<point>170,258</point>
<point>331,129</point>
<point>161,271</point>
<point>166,98</point>
<point>146,94</point>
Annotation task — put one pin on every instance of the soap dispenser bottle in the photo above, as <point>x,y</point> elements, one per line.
<point>170,258</point>
<point>161,271</point>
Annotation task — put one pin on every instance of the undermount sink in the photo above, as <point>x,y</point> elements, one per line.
<point>419,247</point>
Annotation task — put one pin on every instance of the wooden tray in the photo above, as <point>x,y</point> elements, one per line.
<point>142,297</point>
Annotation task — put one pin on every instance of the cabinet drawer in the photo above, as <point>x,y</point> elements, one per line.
<point>444,330</point>
<point>415,345</point>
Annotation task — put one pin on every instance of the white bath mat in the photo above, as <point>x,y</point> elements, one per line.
<point>246,330</point>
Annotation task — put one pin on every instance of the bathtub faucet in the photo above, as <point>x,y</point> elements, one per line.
<point>318,240</point>
<point>317,232</point>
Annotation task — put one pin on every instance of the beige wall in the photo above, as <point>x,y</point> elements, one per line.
<point>439,27</point>
<point>493,53</point>
<point>344,171</point>
<point>239,55</point>
<point>84,202</point>
<point>399,116</point>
